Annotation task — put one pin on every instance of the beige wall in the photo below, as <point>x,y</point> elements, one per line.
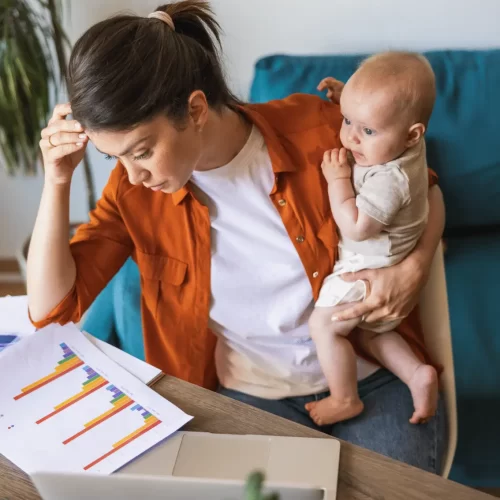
<point>254,28</point>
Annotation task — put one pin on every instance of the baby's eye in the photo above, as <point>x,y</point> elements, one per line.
<point>109,157</point>
<point>347,121</point>
<point>368,131</point>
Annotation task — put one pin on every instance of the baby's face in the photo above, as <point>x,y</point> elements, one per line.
<point>371,129</point>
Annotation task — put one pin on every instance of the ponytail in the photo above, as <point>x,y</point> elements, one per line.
<point>196,20</point>
<point>127,69</point>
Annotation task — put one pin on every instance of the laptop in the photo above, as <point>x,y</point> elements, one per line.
<point>66,486</point>
<point>195,465</point>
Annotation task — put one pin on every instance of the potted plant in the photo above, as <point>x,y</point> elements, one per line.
<point>33,69</point>
<point>254,486</point>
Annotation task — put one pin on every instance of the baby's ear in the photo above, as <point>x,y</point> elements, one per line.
<point>415,133</point>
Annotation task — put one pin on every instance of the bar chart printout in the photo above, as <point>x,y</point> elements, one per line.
<point>68,397</point>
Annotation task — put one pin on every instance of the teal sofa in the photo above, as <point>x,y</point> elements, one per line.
<point>464,148</point>
<point>115,316</point>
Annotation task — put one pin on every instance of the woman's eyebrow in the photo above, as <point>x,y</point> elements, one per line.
<point>130,147</point>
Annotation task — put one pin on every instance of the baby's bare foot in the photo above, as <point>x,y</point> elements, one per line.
<point>424,391</point>
<point>329,410</point>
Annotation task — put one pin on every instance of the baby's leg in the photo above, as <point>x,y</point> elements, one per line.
<point>393,352</point>
<point>338,362</point>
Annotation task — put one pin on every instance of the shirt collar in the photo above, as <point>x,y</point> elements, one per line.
<point>179,196</point>
<point>280,159</point>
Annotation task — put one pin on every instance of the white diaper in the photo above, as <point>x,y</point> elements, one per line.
<point>336,291</point>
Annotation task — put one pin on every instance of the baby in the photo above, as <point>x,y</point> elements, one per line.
<point>380,207</point>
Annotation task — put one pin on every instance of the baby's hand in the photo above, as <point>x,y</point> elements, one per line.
<point>333,88</point>
<point>335,165</point>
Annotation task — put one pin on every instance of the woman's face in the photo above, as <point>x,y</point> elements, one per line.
<point>156,154</point>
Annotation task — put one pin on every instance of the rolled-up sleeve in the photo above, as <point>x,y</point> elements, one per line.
<point>99,248</point>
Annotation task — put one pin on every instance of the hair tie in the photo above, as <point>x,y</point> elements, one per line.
<point>163,16</point>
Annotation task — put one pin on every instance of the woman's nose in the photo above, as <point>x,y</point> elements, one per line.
<point>137,176</point>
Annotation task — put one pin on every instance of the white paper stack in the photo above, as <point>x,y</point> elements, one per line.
<point>65,405</point>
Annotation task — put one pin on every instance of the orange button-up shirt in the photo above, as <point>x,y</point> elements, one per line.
<point>168,235</point>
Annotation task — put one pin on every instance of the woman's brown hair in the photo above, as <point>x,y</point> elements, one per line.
<point>127,69</point>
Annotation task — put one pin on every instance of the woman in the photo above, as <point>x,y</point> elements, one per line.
<point>224,208</point>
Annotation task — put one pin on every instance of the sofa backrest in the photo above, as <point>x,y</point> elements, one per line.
<point>463,139</point>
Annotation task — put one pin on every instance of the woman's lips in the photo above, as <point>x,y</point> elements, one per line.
<point>158,187</point>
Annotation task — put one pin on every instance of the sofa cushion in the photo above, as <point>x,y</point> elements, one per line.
<point>462,140</point>
<point>472,275</point>
<point>115,315</point>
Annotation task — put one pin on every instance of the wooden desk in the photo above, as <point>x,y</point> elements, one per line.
<point>364,475</point>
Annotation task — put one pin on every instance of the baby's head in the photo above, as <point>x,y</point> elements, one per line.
<point>386,105</point>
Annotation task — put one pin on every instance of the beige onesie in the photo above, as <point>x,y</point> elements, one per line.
<point>394,194</point>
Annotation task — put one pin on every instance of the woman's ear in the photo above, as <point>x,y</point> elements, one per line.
<point>198,109</point>
<point>415,133</point>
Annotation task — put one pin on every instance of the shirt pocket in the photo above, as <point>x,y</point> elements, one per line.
<point>162,280</point>
<point>328,233</point>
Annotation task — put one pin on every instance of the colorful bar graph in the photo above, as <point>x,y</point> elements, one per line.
<point>150,421</point>
<point>120,401</point>
<point>70,361</point>
<point>93,383</point>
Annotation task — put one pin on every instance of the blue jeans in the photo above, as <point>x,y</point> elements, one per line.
<point>382,427</point>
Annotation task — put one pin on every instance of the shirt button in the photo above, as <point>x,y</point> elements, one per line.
<point>300,239</point>
<point>281,203</point>
<point>315,274</point>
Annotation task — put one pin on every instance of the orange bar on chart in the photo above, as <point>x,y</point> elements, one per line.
<point>87,389</point>
<point>68,363</point>
<point>98,421</point>
<point>123,404</point>
<point>119,402</point>
<point>46,380</point>
<point>72,401</point>
<point>136,433</point>
<point>114,450</point>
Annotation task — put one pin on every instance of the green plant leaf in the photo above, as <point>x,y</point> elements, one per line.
<point>27,69</point>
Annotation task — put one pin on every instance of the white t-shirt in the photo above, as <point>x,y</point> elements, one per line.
<point>261,296</point>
